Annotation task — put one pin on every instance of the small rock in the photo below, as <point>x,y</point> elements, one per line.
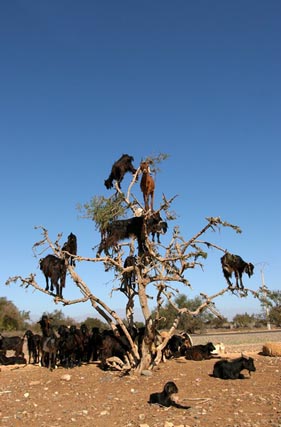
<point>34,382</point>
<point>66,377</point>
<point>146,373</point>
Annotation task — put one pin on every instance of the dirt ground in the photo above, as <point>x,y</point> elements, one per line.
<point>87,396</point>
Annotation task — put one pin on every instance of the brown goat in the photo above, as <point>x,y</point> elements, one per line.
<point>147,186</point>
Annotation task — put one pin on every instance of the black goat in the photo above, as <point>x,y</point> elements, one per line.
<point>49,343</point>
<point>33,346</point>
<point>122,229</point>
<point>164,397</point>
<point>71,247</point>
<point>118,170</point>
<point>95,344</point>
<point>12,343</point>
<point>155,231</point>
<point>199,352</point>
<point>112,345</point>
<point>71,346</point>
<point>55,269</point>
<point>175,345</point>
<point>12,360</point>
<point>231,369</point>
<point>86,338</point>
<point>129,277</point>
<point>235,264</point>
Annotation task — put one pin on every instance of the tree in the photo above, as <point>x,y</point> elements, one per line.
<point>159,269</point>
<point>274,302</point>
<point>187,322</point>
<point>11,319</point>
<point>244,320</point>
<point>95,323</point>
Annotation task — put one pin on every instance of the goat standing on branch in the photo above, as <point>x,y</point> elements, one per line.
<point>235,264</point>
<point>129,278</point>
<point>118,170</point>
<point>147,186</point>
<point>119,230</point>
<point>71,247</point>
<point>55,269</point>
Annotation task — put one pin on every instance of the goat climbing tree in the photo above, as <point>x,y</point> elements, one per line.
<point>158,271</point>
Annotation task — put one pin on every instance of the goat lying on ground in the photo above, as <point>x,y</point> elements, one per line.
<point>147,186</point>
<point>71,247</point>
<point>272,349</point>
<point>55,269</point>
<point>12,360</point>
<point>235,264</point>
<point>164,397</point>
<point>231,369</point>
<point>118,170</point>
<point>175,345</point>
<point>110,346</point>
<point>199,352</point>
<point>11,343</point>
<point>122,229</point>
<point>219,349</point>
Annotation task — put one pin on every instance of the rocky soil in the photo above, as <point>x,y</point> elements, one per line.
<point>87,396</point>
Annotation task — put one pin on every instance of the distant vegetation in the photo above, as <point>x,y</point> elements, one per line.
<point>11,319</point>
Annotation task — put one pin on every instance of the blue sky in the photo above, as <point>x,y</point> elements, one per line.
<point>84,82</point>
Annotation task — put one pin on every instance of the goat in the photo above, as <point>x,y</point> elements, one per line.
<point>234,263</point>
<point>71,247</point>
<point>231,369</point>
<point>55,269</point>
<point>272,349</point>
<point>33,346</point>
<point>95,344</point>
<point>49,343</point>
<point>86,338</point>
<point>175,344</point>
<point>154,231</point>
<point>71,346</point>
<point>12,343</point>
<point>112,345</point>
<point>198,352</point>
<point>118,170</point>
<point>137,227</point>
<point>12,360</point>
<point>164,397</point>
<point>49,348</point>
<point>219,349</point>
<point>147,186</point>
<point>129,277</point>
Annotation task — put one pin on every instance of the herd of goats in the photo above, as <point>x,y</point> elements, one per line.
<point>69,347</point>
